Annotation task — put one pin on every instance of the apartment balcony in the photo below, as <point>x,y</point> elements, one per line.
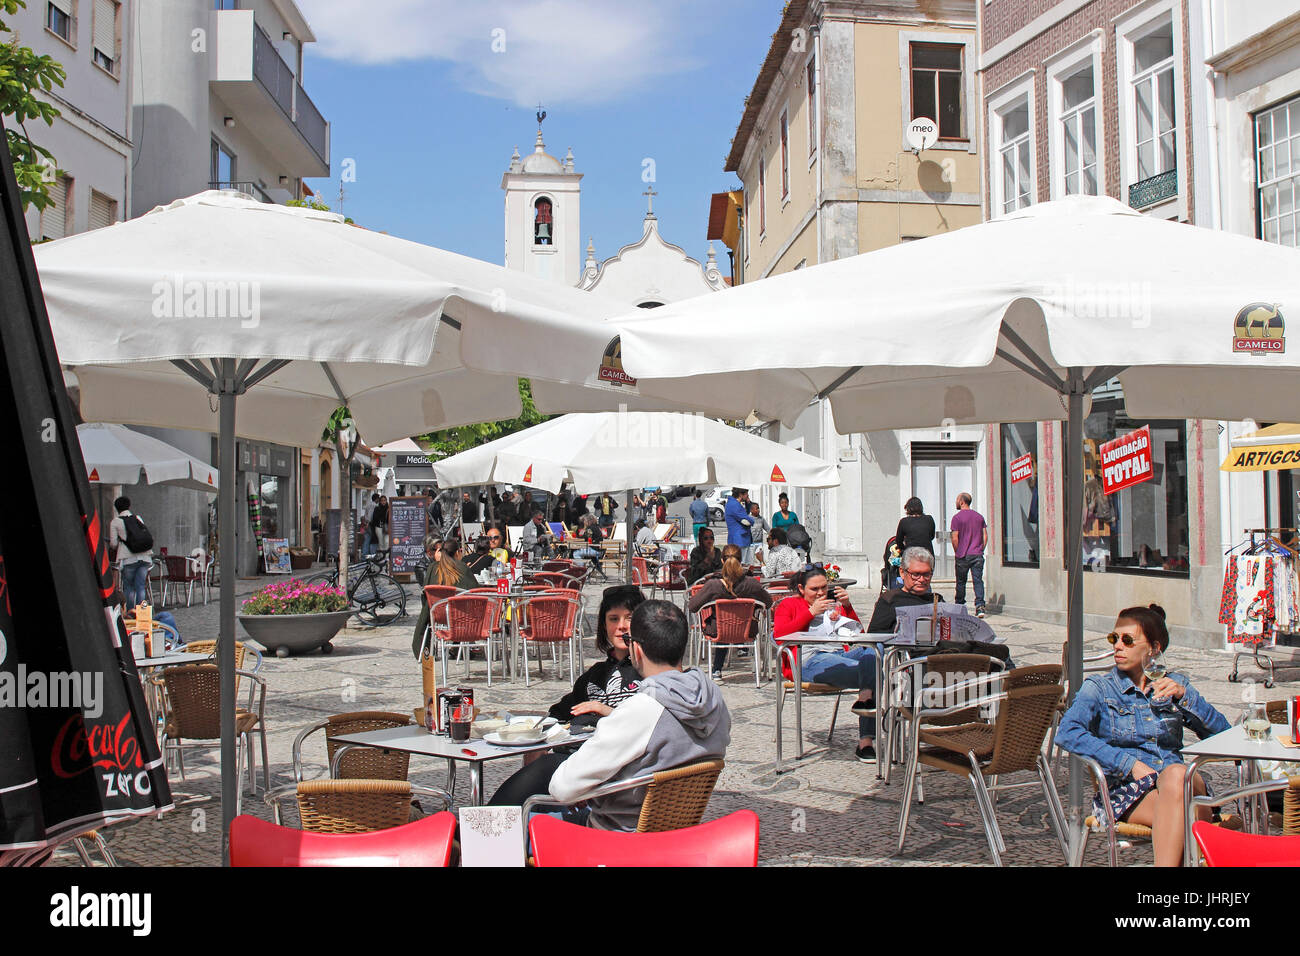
<point>1156,189</point>
<point>252,190</point>
<point>252,79</point>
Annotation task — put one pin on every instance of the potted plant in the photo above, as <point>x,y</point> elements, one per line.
<point>291,617</point>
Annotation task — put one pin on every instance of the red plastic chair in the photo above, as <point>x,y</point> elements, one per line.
<point>548,618</point>
<point>729,841</point>
<point>472,620</point>
<point>555,580</point>
<point>433,593</point>
<point>425,842</point>
<point>1223,847</point>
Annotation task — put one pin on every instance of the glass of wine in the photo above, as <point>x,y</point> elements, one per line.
<point>1257,723</point>
<point>1153,666</point>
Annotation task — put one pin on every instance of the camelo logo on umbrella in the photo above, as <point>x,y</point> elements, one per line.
<point>1259,328</point>
<point>611,365</point>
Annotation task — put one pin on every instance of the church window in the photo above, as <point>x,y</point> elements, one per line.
<point>543,223</point>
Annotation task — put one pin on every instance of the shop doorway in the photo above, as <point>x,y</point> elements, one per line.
<point>940,472</point>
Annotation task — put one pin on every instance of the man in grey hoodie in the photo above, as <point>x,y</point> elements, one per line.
<point>676,717</point>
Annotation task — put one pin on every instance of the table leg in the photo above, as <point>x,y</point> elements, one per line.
<point>476,783</point>
<point>797,670</point>
<point>881,756</point>
<point>1190,852</point>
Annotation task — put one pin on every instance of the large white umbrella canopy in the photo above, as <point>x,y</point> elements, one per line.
<point>1016,319</point>
<point>116,455</point>
<point>602,451</point>
<point>293,313</point>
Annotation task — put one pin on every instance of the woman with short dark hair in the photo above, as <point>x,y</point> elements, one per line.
<point>916,529</point>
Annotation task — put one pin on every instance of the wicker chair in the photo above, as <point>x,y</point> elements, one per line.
<point>192,712</point>
<point>1013,743</point>
<point>674,799</point>
<point>919,671</point>
<point>359,763</point>
<point>352,806</point>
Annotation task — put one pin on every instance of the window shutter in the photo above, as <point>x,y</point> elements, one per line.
<point>64,5</point>
<point>105,36</point>
<point>55,216</point>
<point>103,210</point>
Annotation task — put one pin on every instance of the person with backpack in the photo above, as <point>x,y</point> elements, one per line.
<point>134,544</point>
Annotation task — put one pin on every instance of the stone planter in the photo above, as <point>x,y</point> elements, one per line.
<point>287,634</point>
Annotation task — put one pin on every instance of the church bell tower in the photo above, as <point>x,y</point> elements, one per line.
<point>542,201</point>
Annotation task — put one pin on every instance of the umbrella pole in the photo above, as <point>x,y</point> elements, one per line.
<point>226,391</point>
<point>1074,586</point>
<point>627,517</point>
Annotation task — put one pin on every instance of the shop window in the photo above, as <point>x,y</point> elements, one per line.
<point>1142,528</point>
<point>1020,494</point>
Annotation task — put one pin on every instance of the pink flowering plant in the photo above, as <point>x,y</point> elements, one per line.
<point>296,597</point>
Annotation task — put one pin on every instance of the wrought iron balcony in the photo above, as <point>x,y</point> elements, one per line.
<point>1154,190</point>
<point>247,188</point>
<point>278,80</point>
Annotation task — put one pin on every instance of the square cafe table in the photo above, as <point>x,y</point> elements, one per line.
<point>798,640</point>
<point>414,739</point>
<point>1233,745</point>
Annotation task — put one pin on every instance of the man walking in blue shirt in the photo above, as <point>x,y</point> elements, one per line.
<point>739,523</point>
<point>699,515</point>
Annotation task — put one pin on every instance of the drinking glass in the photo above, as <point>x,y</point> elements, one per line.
<point>1258,727</point>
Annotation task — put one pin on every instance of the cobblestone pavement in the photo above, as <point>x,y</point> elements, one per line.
<point>828,810</point>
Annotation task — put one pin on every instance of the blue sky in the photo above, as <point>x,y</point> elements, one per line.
<point>417,96</point>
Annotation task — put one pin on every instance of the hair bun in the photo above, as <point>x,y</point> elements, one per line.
<point>1158,609</point>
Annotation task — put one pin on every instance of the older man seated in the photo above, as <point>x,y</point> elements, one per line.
<point>917,569</point>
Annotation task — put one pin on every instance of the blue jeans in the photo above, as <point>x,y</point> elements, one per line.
<point>135,583</point>
<point>855,667</point>
<point>975,565</point>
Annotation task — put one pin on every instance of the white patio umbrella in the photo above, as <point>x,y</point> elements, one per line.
<point>628,450</point>
<point>116,455</point>
<point>294,313</point>
<point>1016,319</point>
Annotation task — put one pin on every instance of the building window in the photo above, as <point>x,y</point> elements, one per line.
<point>104,35</point>
<point>937,86</point>
<point>785,154</point>
<point>1277,150</point>
<point>222,167</point>
<point>812,107</point>
<point>1020,494</point>
<point>1079,133</point>
<point>103,211</point>
<point>56,218</point>
<point>225,4</point>
<point>762,197</point>
<point>1014,156</point>
<point>60,21</point>
<point>1142,528</point>
<point>543,223</point>
<point>1155,129</point>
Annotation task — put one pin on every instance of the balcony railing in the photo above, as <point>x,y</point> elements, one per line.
<point>1155,189</point>
<point>247,188</point>
<point>278,80</point>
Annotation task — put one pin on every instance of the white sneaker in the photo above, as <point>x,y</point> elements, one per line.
<point>981,613</point>
<point>717,677</point>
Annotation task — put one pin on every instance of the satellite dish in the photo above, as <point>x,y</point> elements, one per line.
<point>922,133</point>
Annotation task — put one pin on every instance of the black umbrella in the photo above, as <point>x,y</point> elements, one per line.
<point>77,747</point>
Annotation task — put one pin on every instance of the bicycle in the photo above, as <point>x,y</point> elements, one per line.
<point>374,594</point>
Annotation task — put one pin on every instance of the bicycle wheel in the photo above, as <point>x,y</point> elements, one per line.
<point>328,577</point>
<point>380,599</point>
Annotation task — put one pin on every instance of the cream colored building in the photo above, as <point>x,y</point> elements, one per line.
<point>828,173</point>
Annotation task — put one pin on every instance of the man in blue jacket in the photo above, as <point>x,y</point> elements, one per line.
<point>739,523</point>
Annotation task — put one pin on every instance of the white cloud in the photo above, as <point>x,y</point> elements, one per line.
<point>555,51</point>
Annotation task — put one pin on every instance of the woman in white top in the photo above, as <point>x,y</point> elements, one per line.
<point>133,566</point>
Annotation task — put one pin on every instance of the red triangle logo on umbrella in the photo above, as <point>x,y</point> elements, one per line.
<point>528,475</point>
<point>777,477</point>
<point>94,474</point>
<point>209,479</point>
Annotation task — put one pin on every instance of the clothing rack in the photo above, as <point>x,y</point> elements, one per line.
<point>1267,658</point>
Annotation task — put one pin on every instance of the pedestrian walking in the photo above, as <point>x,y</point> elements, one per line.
<point>134,543</point>
<point>970,536</point>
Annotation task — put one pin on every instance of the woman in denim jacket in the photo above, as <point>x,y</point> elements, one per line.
<point>1134,729</point>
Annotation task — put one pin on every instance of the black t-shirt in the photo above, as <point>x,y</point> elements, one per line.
<point>884,619</point>
<point>915,531</point>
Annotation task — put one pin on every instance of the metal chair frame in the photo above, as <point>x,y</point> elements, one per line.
<point>490,626</point>
<point>570,636</point>
<point>761,618</point>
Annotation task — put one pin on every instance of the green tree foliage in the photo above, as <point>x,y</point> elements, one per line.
<point>317,204</point>
<point>450,441</point>
<point>21,73</point>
